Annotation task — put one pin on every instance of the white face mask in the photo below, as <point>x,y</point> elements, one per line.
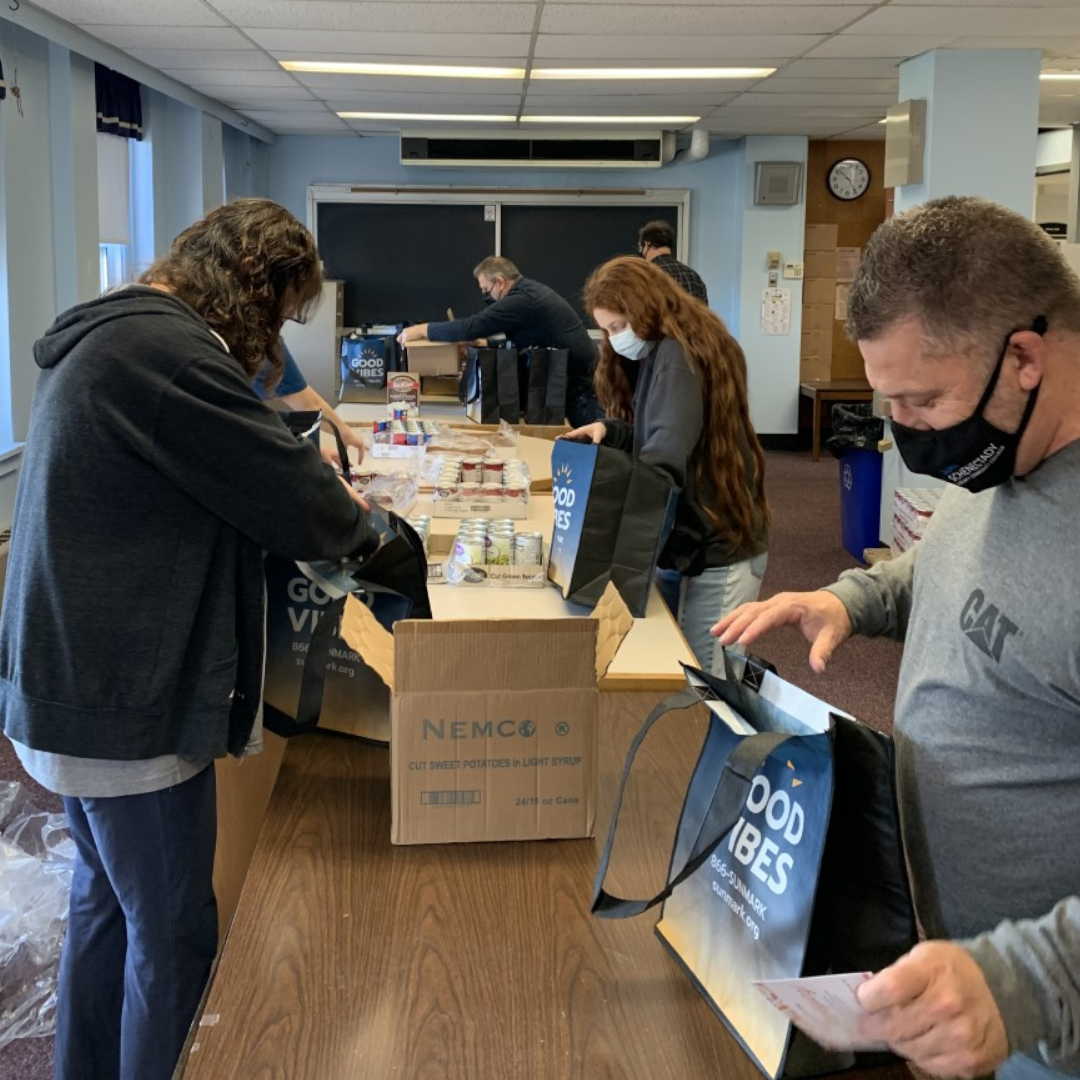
<point>627,343</point>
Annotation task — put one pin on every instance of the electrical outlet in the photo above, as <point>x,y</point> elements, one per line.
<point>793,270</point>
<point>773,279</point>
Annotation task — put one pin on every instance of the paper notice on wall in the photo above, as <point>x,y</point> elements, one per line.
<point>847,262</point>
<point>842,292</point>
<point>775,311</point>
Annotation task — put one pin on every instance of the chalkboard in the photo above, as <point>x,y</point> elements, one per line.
<point>562,245</point>
<point>410,261</point>
<point>404,262</point>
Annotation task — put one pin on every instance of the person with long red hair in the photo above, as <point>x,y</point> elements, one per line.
<point>688,417</point>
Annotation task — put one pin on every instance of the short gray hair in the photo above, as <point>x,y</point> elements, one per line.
<point>971,272</point>
<point>496,266</point>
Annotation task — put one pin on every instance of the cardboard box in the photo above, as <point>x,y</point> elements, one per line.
<point>818,317</point>
<point>433,358</point>
<point>817,343</point>
<point>485,743</point>
<point>821,237</point>
<point>815,369</point>
<point>819,264</point>
<point>455,506</point>
<point>820,291</point>
<point>439,385</point>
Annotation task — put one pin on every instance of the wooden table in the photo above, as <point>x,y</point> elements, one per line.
<point>351,959</point>
<point>821,393</point>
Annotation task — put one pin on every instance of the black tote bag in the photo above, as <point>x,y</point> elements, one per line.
<point>544,382</point>
<point>787,862</point>
<point>613,516</point>
<point>308,665</point>
<point>489,385</point>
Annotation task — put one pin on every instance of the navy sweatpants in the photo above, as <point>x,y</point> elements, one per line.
<point>141,934</point>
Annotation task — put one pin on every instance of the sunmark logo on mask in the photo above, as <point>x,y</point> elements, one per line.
<point>985,626</point>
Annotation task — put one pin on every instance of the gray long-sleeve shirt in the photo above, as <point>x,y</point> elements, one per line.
<point>988,740</point>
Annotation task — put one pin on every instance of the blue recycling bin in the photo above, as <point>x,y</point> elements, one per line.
<point>860,500</point>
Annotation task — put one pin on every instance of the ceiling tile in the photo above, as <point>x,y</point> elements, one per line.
<point>298,105</point>
<point>840,68</point>
<point>261,96</point>
<point>614,48</point>
<point>1049,45</point>
<point>172,37</point>
<point>778,84</point>
<point>864,46</point>
<point>133,12</point>
<point>695,20</point>
<point>359,44</point>
<point>210,77</point>
<point>793,101</point>
<point>873,133</point>
<point>249,60</point>
<point>986,20</point>
<point>432,17</point>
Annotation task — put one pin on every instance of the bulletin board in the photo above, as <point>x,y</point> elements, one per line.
<point>407,254</point>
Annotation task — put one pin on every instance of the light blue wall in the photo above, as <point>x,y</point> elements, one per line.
<point>772,361</point>
<point>48,206</point>
<point>298,161</point>
<point>982,116</point>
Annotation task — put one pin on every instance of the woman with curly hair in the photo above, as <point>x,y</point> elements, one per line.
<point>688,417</point>
<point>132,631</point>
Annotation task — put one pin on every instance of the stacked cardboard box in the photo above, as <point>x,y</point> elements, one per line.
<point>912,509</point>
<point>819,303</point>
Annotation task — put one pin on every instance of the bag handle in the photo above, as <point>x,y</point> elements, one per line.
<point>313,680</point>
<point>725,808</point>
<point>343,452</point>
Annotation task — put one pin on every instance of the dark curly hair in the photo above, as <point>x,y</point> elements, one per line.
<point>244,268</point>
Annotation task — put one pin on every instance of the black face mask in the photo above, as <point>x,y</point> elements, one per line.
<point>485,295</point>
<point>973,454</point>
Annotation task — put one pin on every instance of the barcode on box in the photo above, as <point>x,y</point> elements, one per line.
<point>449,798</point>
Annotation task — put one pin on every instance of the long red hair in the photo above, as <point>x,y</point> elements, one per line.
<point>657,307</point>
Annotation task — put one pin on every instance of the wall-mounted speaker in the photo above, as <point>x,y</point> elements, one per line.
<point>777,183</point>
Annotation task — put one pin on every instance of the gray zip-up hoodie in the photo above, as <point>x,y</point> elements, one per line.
<point>988,740</point>
<point>153,479</point>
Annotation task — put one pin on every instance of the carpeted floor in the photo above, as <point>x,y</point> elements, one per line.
<point>806,553</point>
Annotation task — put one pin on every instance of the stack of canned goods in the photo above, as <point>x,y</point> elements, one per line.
<point>401,431</point>
<point>422,525</point>
<point>475,477</point>
<point>482,542</point>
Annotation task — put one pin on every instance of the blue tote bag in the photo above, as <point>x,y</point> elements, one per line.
<point>787,860</point>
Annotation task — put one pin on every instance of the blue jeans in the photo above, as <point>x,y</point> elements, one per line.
<point>701,602</point>
<point>142,931</point>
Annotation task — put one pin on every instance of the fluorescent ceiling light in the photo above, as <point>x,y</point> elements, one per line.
<point>653,73</point>
<point>669,120</point>
<point>455,117</point>
<point>1060,76</point>
<point>431,71</point>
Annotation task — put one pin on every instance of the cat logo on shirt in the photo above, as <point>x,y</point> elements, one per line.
<point>985,625</point>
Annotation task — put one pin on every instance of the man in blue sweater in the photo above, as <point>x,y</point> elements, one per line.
<point>969,321</point>
<point>132,631</point>
<point>528,313</point>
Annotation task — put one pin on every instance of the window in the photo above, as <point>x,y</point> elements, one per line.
<point>114,208</point>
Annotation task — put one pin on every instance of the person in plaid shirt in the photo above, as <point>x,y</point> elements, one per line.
<point>655,242</point>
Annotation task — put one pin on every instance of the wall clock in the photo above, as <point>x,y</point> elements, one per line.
<point>848,179</point>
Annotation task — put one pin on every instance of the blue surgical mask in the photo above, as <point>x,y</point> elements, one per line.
<point>627,343</point>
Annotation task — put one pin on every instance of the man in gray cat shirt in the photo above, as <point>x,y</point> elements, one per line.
<point>969,322</point>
